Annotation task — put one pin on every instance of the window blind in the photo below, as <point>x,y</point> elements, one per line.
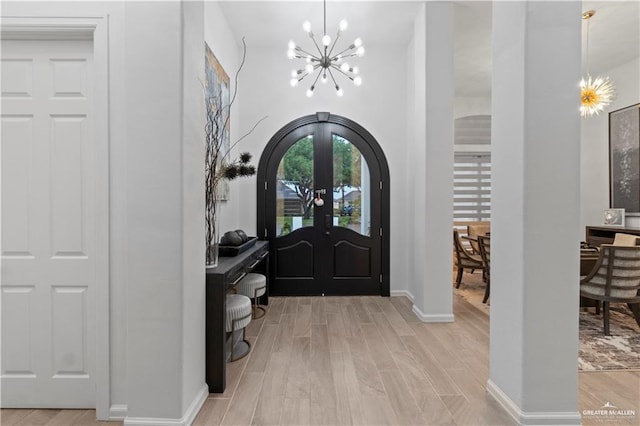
<point>472,187</point>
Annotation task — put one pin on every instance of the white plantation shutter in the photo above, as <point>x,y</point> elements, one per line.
<point>472,186</point>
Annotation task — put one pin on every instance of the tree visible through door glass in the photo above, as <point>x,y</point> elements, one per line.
<point>351,188</point>
<point>294,192</point>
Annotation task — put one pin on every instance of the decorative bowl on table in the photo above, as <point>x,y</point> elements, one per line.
<point>235,242</point>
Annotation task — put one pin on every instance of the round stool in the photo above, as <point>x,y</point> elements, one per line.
<point>253,286</point>
<point>238,317</point>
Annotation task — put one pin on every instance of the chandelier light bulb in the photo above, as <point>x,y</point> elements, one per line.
<point>360,51</point>
<point>306,26</point>
<point>339,91</point>
<point>344,67</point>
<point>357,81</point>
<point>291,54</point>
<point>309,68</point>
<point>355,70</point>
<point>357,42</point>
<point>326,40</point>
<point>324,78</point>
<point>293,82</point>
<point>344,25</point>
<point>308,59</point>
<point>292,45</point>
<point>294,73</point>
<point>310,92</point>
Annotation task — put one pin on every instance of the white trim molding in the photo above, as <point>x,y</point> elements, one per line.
<point>405,293</point>
<point>532,418</point>
<point>186,420</point>
<point>432,318</point>
<point>118,412</point>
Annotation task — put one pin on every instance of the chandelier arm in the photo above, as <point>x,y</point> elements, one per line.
<point>303,76</point>
<point>316,80</point>
<point>316,44</point>
<point>334,44</point>
<point>308,54</point>
<point>332,77</point>
<point>337,68</point>
<point>345,50</point>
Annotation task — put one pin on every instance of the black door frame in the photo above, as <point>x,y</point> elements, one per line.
<point>385,204</point>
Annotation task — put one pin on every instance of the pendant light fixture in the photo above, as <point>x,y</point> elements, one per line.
<point>328,60</point>
<point>595,93</point>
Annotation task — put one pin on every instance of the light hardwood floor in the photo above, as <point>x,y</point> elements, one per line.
<point>363,360</point>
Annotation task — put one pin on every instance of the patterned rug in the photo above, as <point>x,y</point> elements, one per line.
<point>620,351</point>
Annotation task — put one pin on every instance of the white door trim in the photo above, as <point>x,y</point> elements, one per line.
<point>96,29</point>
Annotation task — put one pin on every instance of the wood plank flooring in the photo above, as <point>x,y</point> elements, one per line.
<point>362,361</point>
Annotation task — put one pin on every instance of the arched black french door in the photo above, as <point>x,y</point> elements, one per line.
<point>323,205</point>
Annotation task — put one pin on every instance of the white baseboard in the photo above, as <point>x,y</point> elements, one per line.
<point>532,418</point>
<point>404,293</point>
<point>432,318</point>
<point>118,412</point>
<point>186,420</point>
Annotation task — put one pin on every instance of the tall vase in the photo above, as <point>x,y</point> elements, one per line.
<point>212,234</point>
<point>212,255</point>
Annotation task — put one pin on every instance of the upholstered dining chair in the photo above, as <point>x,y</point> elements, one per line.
<point>484,244</point>
<point>473,230</point>
<point>463,258</point>
<point>615,278</point>
<point>620,239</point>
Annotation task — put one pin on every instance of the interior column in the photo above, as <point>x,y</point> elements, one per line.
<point>535,210</point>
<point>434,99</point>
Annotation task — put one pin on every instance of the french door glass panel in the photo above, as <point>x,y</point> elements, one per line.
<point>294,192</point>
<point>351,187</point>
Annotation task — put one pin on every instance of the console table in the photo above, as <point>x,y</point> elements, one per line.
<point>221,279</point>
<point>596,235</point>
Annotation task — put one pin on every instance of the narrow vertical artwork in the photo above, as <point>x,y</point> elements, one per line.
<point>217,92</point>
<point>624,158</point>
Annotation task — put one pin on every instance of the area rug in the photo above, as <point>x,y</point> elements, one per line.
<point>619,351</point>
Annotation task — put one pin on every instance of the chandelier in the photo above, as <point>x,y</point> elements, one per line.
<point>595,93</point>
<point>328,60</point>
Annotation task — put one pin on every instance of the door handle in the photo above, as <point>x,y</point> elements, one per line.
<point>328,222</point>
<point>318,200</point>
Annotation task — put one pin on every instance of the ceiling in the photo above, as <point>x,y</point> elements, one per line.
<point>614,33</point>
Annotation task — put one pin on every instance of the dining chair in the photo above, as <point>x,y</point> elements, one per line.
<point>484,243</point>
<point>473,230</point>
<point>620,239</point>
<point>463,258</point>
<point>615,278</point>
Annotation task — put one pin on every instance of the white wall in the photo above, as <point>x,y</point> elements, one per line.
<point>227,50</point>
<point>193,305</point>
<point>465,106</point>
<point>156,261</point>
<point>165,341</point>
<point>379,105</point>
<point>594,168</point>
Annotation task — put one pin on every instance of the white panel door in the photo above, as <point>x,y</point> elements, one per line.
<point>48,277</point>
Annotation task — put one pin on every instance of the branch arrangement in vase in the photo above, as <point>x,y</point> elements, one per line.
<point>218,167</point>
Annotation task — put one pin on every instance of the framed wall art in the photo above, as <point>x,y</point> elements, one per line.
<point>613,217</point>
<point>624,159</point>
<point>217,101</point>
